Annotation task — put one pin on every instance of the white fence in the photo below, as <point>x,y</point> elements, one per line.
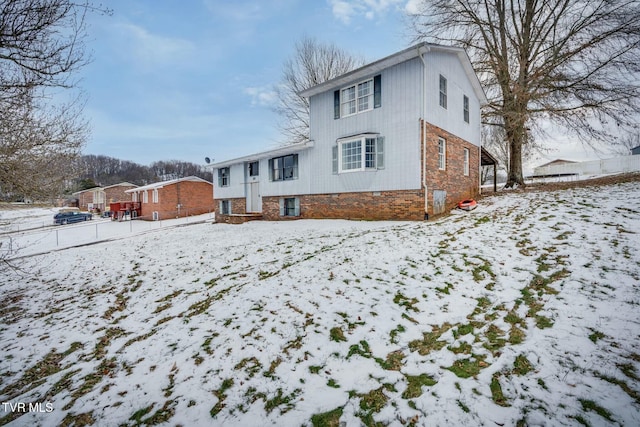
<point>39,240</point>
<point>593,167</point>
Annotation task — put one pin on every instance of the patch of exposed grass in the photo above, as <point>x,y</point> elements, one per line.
<point>327,419</point>
<point>414,385</point>
<point>522,366</point>
<point>336,334</point>
<point>494,336</point>
<point>280,399</point>
<point>220,394</point>
<point>496,391</point>
<point>516,335</point>
<point>37,374</point>
<point>270,373</point>
<point>463,330</point>
<point>596,335</point>
<point>403,301</point>
<point>393,362</point>
<point>430,340</point>
<point>251,365</point>
<point>590,405</point>
<point>394,333</point>
<point>362,349</point>
<point>470,367</point>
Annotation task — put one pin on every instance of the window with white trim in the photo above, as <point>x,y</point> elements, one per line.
<point>145,197</point>
<point>465,108</point>
<point>223,177</point>
<point>466,162</point>
<point>443,91</point>
<point>154,196</point>
<point>134,197</point>
<point>289,206</point>
<point>357,98</point>
<point>363,152</point>
<point>225,207</point>
<point>442,153</point>
<point>283,168</point>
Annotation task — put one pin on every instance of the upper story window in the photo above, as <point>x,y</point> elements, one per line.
<point>145,197</point>
<point>443,92</point>
<point>363,96</point>
<point>254,168</point>
<point>465,108</point>
<point>154,196</point>
<point>223,177</point>
<point>283,168</point>
<point>365,152</point>
<point>442,153</point>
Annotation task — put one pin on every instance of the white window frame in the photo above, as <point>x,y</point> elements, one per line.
<point>352,98</point>
<point>224,177</point>
<point>368,160</point>
<point>225,207</point>
<point>154,196</point>
<point>465,108</point>
<point>443,91</point>
<point>442,153</point>
<point>290,211</point>
<point>134,196</point>
<point>466,162</point>
<point>145,197</point>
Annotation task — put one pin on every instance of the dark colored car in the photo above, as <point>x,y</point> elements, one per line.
<point>70,217</point>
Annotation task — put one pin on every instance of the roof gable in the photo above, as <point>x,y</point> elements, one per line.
<point>398,58</point>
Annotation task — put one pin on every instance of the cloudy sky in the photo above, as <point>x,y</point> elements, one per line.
<point>194,79</point>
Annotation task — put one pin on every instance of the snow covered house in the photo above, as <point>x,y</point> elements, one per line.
<point>398,138</point>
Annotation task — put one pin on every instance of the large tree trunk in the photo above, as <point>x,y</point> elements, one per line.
<point>515,177</point>
<point>516,136</point>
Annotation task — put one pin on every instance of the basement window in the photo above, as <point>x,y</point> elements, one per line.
<point>290,206</point>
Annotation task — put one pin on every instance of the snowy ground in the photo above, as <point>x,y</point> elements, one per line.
<point>522,312</point>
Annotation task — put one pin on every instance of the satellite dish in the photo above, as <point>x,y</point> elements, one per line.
<point>208,160</point>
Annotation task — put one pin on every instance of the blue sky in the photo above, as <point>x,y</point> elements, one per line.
<point>189,79</point>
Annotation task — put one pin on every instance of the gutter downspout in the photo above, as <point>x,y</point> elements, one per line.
<point>424,130</point>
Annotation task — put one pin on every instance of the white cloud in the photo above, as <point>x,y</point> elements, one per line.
<point>346,10</point>
<point>261,96</point>
<point>413,7</point>
<point>151,50</point>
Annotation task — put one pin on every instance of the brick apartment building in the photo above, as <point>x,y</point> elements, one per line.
<point>173,199</point>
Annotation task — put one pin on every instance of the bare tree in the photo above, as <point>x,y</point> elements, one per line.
<point>41,49</point>
<point>626,142</point>
<point>311,64</point>
<point>571,62</point>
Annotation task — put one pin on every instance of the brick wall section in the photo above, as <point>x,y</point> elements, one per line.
<point>117,194</point>
<point>452,179</point>
<point>383,205</point>
<point>195,198</point>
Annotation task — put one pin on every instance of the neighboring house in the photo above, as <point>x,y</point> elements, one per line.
<point>98,198</point>
<point>175,198</point>
<point>396,139</point>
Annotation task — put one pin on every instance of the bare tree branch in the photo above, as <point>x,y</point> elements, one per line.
<point>311,64</point>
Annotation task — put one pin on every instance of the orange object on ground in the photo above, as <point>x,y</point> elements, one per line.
<point>467,205</point>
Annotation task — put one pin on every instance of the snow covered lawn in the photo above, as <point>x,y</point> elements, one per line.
<point>522,312</point>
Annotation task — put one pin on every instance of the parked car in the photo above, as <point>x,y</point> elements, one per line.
<point>68,217</point>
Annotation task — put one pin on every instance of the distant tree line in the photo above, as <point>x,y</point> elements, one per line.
<point>101,171</point>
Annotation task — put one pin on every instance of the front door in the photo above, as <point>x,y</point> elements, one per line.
<point>254,201</point>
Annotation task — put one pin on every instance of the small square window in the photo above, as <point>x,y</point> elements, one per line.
<point>254,168</point>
